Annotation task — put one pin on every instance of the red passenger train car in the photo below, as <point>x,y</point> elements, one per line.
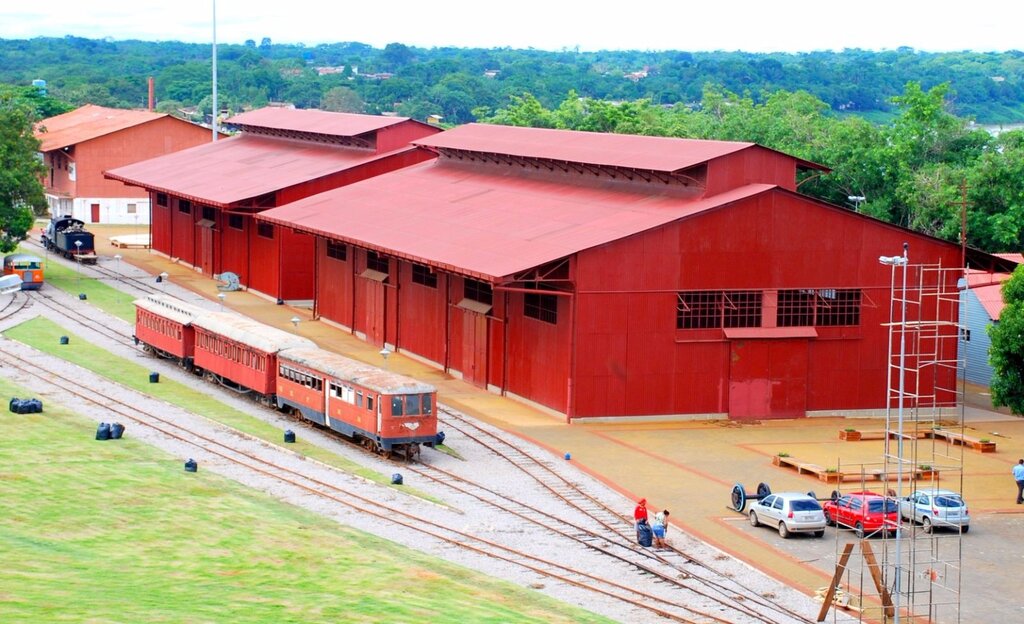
<point>384,411</point>
<point>240,352</point>
<point>164,325</point>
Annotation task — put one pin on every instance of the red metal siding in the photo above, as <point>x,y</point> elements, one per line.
<point>353,174</point>
<point>334,289</point>
<point>752,166</point>
<point>265,261</point>
<point>58,178</point>
<point>538,354</point>
<point>160,230</point>
<point>628,345</point>
<point>400,135</point>
<point>421,315</point>
<point>296,253</point>
<point>183,240</point>
<point>233,245</point>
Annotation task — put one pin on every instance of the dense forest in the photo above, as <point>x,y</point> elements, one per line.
<point>462,85</point>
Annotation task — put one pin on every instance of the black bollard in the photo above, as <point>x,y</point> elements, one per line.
<point>103,431</point>
<point>396,479</point>
<point>116,431</point>
<point>63,340</point>
<point>289,436</point>
<point>154,378</point>
<point>191,465</point>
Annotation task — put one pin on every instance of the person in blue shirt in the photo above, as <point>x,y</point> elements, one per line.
<point>1018,474</point>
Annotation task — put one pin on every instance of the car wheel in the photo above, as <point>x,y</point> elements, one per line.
<point>754,522</point>
<point>820,533</point>
<point>858,530</point>
<point>965,528</point>
<point>926,524</point>
<point>783,530</point>
<point>829,521</point>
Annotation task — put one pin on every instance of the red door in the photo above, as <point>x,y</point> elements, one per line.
<point>474,348</point>
<point>768,379</point>
<point>206,250</point>
<point>373,307</point>
<point>95,217</point>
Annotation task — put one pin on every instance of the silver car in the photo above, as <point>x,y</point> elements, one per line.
<point>790,512</point>
<point>936,508</point>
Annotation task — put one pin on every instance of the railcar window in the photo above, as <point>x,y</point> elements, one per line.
<point>412,405</point>
<point>359,398</point>
<point>396,406</point>
<point>428,408</point>
<point>369,403</point>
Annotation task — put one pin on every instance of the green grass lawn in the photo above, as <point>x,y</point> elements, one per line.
<point>116,531</point>
<point>110,300</point>
<point>44,335</point>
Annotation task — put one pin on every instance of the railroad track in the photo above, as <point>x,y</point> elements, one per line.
<point>223,449</point>
<point>18,302</point>
<point>143,285</point>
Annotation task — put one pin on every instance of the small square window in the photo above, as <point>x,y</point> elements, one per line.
<point>265,230</point>
<point>133,208</point>
<point>423,275</point>
<point>377,262</point>
<point>235,222</point>
<point>161,199</point>
<point>478,291</point>
<point>184,206</point>
<point>337,250</point>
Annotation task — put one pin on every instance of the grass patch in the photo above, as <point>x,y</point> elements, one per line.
<point>44,335</point>
<point>116,531</point>
<point>110,300</point>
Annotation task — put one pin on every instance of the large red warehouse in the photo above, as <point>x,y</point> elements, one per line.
<point>204,198</point>
<point>611,275</point>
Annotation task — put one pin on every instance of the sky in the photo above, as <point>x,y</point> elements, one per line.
<point>747,25</point>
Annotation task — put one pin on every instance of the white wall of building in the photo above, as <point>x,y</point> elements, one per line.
<point>116,210</point>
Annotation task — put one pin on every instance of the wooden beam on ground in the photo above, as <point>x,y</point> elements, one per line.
<point>838,576</point>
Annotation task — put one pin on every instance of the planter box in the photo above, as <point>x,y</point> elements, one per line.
<point>849,436</point>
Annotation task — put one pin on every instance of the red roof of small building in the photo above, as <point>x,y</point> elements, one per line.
<point>314,121</point>
<point>86,123</point>
<point>239,168</point>
<point>483,223</point>
<point>991,298</point>
<point>648,153</point>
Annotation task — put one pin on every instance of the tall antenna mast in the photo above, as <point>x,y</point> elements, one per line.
<point>216,110</point>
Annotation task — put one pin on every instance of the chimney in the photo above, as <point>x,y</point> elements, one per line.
<point>151,102</point>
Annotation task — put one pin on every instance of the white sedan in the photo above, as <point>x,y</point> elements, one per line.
<point>936,508</point>
<point>790,512</point>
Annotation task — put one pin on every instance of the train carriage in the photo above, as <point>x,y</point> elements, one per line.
<point>164,324</point>
<point>384,410</point>
<point>26,266</point>
<point>240,352</point>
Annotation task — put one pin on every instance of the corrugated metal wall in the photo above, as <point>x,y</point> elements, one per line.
<point>975,350</point>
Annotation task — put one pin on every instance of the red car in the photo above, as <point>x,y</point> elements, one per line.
<point>864,512</point>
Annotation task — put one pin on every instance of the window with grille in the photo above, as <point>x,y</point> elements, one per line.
<point>377,262</point>
<point>826,307</point>
<point>209,213</point>
<point>838,307</point>
<point>337,250</point>
<point>478,291</point>
<point>711,309</point>
<point>741,308</point>
<point>235,222</point>
<point>541,307</point>
<point>265,230</point>
<point>161,199</point>
<point>184,206</point>
<point>422,275</point>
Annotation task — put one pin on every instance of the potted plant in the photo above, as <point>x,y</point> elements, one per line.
<point>925,471</point>
<point>849,434</point>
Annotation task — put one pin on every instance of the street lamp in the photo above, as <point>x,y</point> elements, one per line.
<point>162,278</point>
<point>117,260</point>
<point>384,353</point>
<point>78,259</point>
<point>902,262</point>
<point>856,199</point>
<point>221,296</point>
<point>295,321</point>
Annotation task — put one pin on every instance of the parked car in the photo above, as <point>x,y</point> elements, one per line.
<point>789,512</point>
<point>936,508</point>
<point>864,512</point>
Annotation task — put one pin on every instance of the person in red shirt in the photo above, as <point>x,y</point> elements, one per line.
<point>640,513</point>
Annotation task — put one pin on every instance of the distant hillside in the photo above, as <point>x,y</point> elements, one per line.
<point>462,84</point>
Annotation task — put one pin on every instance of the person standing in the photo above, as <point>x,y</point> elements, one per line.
<point>660,528</point>
<point>640,513</point>
<point>1018,475</point>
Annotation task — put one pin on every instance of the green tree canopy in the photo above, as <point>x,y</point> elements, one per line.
<point>1007,351</point>
<point>21,192</point>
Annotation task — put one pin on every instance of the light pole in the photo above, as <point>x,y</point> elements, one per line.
<point>295,321</point>
<point>117,261</point>
<point>856,199</point>
<point>898,261</point>
<point>221,296</point>
<point>78,259</point>
<point>163,280</point>
<point>384,353</point>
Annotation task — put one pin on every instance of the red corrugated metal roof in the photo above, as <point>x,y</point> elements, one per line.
<point>88,122</point>
<point>239,168</point>
<point>991,298</point>
<point>483,223</point>
<point>315,121</point>
<point>593,148</point>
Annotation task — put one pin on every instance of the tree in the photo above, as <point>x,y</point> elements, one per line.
<point>1006,355</point>
<point>342,100</point>
<point>21,192</point>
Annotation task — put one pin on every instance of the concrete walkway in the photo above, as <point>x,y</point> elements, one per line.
<point>687,467</point>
